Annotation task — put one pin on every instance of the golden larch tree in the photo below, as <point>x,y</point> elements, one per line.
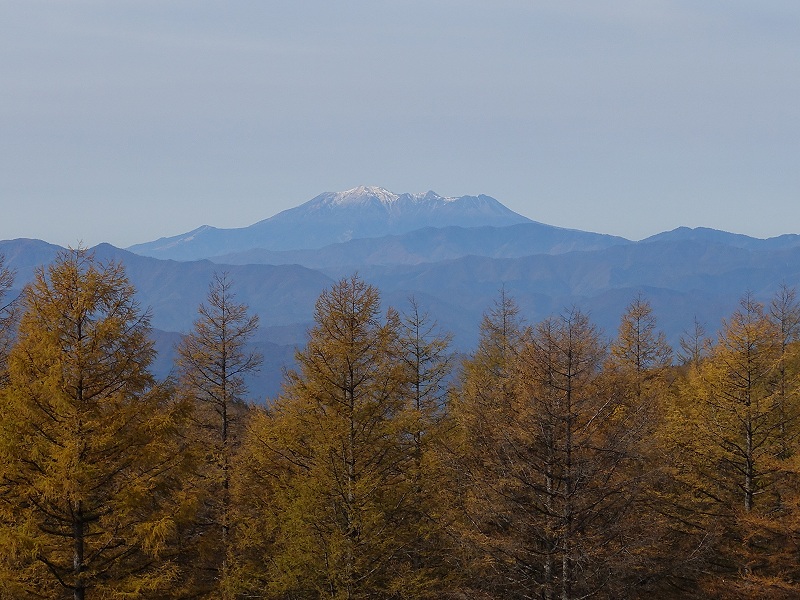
<point>213,361</point>
<point>482,412</point>
<point>735,425</point>
<point>7,317</point>
<point>327,462</point>
<point>87,458</point>
<point>426,365</point>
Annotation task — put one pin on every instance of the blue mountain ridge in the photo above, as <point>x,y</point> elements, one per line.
<point>335,217</point>
<point>455,273</point>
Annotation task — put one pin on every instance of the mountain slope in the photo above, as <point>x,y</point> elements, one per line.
<point>333,217</point>
<point>281,295</point>
<point>735,240</point>
<point>684,274</point>
<point>701,277</point>
<point>432,245</point>
<point>23,255</point>
<point>682,279</point>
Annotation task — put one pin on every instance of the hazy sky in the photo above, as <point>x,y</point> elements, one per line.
<point>127,120</point>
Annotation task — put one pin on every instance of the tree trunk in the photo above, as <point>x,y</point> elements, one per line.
<point>78,537</point>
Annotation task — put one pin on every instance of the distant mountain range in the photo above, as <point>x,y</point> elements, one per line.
<point>332,217</point>
<point>453,255</point>
<point>433,244</point>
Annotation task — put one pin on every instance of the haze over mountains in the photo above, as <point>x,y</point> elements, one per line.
<point>336,217</point>
<point>452,254</point>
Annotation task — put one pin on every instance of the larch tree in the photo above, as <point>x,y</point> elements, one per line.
<point>767,537</point>
<point>576,444</point>
<point>730,427</point>
<point>213,361</point>
<point>330,456</point>
<point>426,364</point>
<point>486,387</point>
<point>550,471</point>
<point>501,336</point>
<point>640,353</point>
<point>88,459</point>
<point>784,313</point>
<point>482,411</point>
<point>690,535</point>
<point>638,371</point>
<point>737,393</point>
<point>7,317</point>
<point>693,344</point>
<point>571,466</point>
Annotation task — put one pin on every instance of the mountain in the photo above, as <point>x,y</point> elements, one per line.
<point>735,240</point>
<point>281,295</point>
<point>454,271</point>
<point>681,279</point>
<point>24,255</point>
<point>332,217</point>
<point>432,245</point>
<point>684,278</point>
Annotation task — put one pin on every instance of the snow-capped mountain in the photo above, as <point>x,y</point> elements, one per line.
<point>368,211</point>
<point>362,212</point>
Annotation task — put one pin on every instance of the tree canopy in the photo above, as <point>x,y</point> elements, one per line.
<point>553,461</point>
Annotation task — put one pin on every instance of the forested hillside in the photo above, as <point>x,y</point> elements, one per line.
<point>550,462</point>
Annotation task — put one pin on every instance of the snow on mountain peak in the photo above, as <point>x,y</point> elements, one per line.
<point>331,217</point>
<point>430,195</point>
<point>433,208</point>
<point>363,193</point>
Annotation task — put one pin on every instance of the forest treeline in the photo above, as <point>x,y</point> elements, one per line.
<point>550,463</point>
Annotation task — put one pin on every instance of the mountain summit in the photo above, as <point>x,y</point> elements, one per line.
<point>361,212</point>
<point>363,195</point>
<point>375,211</point>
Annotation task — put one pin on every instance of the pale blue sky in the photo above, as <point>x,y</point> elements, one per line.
<point>127,120</point>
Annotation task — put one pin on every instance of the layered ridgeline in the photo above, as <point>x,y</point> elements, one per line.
<point>454,269</point>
